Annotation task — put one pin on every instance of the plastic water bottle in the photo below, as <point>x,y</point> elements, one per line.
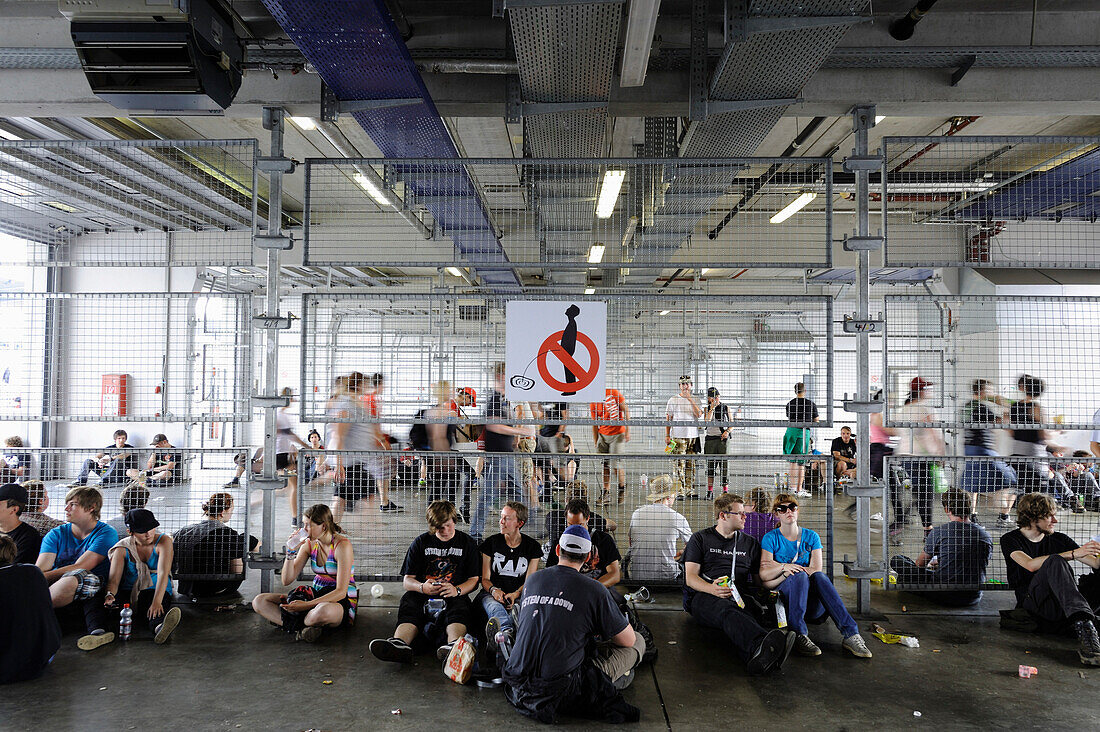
<point>297,539</point>
<point>125,623</point>
<point>645,481</point>
<point>780,610</point>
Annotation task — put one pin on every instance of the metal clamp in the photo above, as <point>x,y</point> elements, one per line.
<point>270,402</point>
<point>275,164</point>
<point>863,243</point>
<point>855,325</point>
<point>332,108</point>
<point>271,322</point>
<point>863,491</point>
<point>871,571</point>
<point>267,484</point>
<point>273,241</point>
<point>857,407</point>
<point>852,163</point>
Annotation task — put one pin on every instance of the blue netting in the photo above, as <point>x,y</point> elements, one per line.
<point>1035,197</point>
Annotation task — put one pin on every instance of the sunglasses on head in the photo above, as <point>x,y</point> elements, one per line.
<point>784,507</point>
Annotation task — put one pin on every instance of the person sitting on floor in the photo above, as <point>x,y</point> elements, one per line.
<point>211,547</point>
<point>717,560</point>
<point>550,670</point>
<point>15,463</point>
<point>141,574</point>
<point>162,466</point>
<point>1037,559</point>
<point>29,633</point>
<point>603,563</point>
<point>38,500</point>
<point>556,520</point>
<point>74,559</point>
<point>13,501</point>
<point>133,496</point>
<point>507,560</point>
<point>760,519</point>
<point>955,554</point>
<point>441,568</point>
<point>655,530</point>
<point>111,463</point>
<point>332,600</point>
<point>791,561</point>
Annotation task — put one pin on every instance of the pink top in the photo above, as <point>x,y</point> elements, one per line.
<point>878,434</point>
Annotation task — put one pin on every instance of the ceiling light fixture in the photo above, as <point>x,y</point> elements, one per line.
<point>9,135</point>
<point>665,312</point>
<point>455,271</point>
<point>641,24</point>
<point>372,190</point>
<point>595,253</point>
<point>609,193</point>
<point>305,124</point>
<point>793,207</point>
<point>703,271</point>
<point>590,291</point>
<point>879,118</point>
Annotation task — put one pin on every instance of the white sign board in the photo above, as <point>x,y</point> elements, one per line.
<point>555,350</point>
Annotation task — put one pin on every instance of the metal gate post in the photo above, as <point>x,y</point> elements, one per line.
<point>270,322</point>
<point>861,164</point>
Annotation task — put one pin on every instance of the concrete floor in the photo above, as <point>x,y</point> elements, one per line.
<point>230,671</point>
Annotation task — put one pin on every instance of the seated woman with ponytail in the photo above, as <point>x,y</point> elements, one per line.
<point>331,601</point>
<point>212,549</point>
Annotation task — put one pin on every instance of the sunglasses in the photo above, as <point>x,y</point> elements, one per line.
<point>735,513</point>
<point>784,507</point>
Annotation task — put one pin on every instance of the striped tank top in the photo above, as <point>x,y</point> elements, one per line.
<point>325,571</point>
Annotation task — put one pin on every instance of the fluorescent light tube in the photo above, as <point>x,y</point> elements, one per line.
<point>372,190</point>
<point>595,254</point>
<point>455,271</point>
<point>793,207</point>
<point>590,291</point>
<point>665,312</point>
<point>609,193</point>
<point>306,124</point>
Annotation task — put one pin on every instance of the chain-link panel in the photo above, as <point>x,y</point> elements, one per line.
<point>991,201</point>
<point>1036,355</point>
<point>606,214</point>
<point>127,357</point>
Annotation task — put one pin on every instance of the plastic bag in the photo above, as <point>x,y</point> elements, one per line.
<point>460,661</point>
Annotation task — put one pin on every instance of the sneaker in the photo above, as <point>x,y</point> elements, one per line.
<point>801,493</point>
<point>850,512</point>
<point>1003,522</point>
<point>233,483</point>
<point>391,649</point>
<point>164,630</point>
<point>309,634</point>
<point>463,515</point>
<point>391,507</point>
<point>1089,652</point>
<point>771,653</point>
<point>94,640</point>
<point>604,499</point>
<point>444,650</point>
<point>803,646</point>
<point>876,517</point>
<point>855,645</point>
<point>491,629</point>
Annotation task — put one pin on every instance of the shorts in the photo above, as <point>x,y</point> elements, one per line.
<point>357,484</point>
<point>282,460</point>
<point>87,583</point>
<point>380,467</point>
<point>611,445</point>
<point>795,442</point>
<point>413,610</point>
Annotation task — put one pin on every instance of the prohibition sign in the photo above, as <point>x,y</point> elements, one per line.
<point>552,344</point>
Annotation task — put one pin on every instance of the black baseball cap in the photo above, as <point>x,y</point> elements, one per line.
<point>14,492</point>
<point>159,437</point>
<point>712,391</point>
<point>140,520</point>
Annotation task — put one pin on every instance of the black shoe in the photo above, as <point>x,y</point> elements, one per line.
<point>391,507</point>
<point>772,653</point>
<point>392,649</point>
<point>1089,652</point>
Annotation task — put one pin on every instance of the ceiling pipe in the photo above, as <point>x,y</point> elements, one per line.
<point>902,28</point>
<point>466,66</point>
<point>763,180</point>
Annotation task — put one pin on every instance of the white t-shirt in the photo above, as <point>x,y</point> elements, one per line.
<point>679,410</point>
<point>1096,427</point>
<point>915,440</point>
<point>359,435</point>
<point>282,432</point>
<point>654,530</point>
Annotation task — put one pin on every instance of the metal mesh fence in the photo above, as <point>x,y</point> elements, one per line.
<point>172,482</point>
<point>583,214</point>
<point>548,481</point>
<point>1042,346</point>
<point>126,357</point>
<point>752,349</point>
<point>991,201</point>
<point>994,485</point>
<point>129,202</point>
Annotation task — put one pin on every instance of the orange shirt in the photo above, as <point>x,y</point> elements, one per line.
<point>611,409</point>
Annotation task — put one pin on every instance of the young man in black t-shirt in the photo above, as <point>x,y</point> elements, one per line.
<point>603,563</point>
<point>507,560</point>
<point>725,552</point>
<point>13,501</point>
<point>441,564</point>
<point>111,463</point>
<point>1037,559</point>
<point>550,669</point>
<point>844,454</point>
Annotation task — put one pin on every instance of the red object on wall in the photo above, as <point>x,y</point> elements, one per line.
<point>114,395</point>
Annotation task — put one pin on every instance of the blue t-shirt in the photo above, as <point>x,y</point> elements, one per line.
<point>785,551</point>
<point>60,541</point>
<point>129,574</point>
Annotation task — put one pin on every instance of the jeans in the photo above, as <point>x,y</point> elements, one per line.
<point>723,614</point>
<point>987,476</point>
<point>499,483</point>
<point>812,596</point>
<point>910,574</point>
<point>115,472</point>
<point>1053,595</point>
<point>496,610</point>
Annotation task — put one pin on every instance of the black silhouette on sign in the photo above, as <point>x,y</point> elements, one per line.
<point>569,344</point>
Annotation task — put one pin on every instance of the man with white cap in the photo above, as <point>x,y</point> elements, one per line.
<point>548,671</point>
<point>654,531</point>
<point>681,438</point>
